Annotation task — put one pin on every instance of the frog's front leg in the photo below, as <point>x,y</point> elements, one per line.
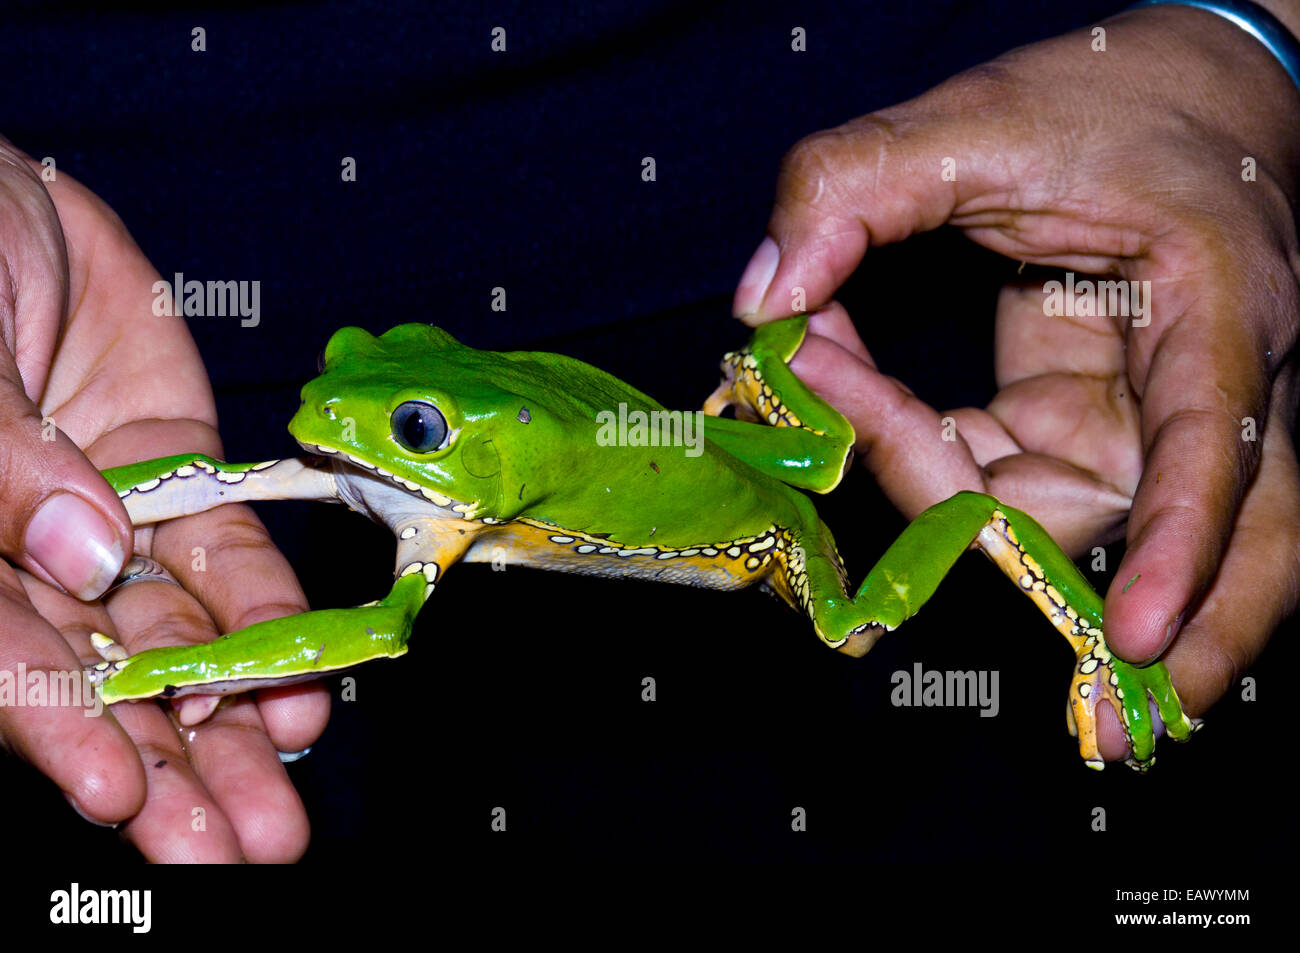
<point>782,428</point>
<point>294,648</point>
<point>912,568</point>
<point>276,652</point>
<point>188,483</point>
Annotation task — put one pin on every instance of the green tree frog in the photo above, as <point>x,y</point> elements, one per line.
<point>469,455</point>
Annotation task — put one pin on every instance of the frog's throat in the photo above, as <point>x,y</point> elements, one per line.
<point>393,500</point>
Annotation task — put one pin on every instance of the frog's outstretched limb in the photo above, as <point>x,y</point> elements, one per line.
<point>762,388</point>
<point>275,652</point>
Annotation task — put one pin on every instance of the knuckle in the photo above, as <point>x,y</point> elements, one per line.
<point>814,163</point>
<point>1225,663</point>
<point>185,624</point>
<point>275,609</point>
<point>987,90</point>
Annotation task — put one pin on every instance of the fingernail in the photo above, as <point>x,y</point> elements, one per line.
<point>84,816</point>
<point>1171,630</point>
<point>758,275</point>
<point>70,540</point>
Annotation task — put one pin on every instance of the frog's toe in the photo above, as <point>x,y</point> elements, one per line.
<point>1193,726</point>
<point>108,650</point>
<point>720,399</point>
<point>1081,719</point>
<point>1141,767</point>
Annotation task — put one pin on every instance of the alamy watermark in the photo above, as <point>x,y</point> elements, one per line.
<point>654,428</point>
<point>920,688</point>
<point>209,299</point>
<point>1088,299</point>
<point>133,908</point>
<point>43,688</point>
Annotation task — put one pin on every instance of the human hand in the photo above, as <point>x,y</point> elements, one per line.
<point>82,351</point>
<point>1126,163</point>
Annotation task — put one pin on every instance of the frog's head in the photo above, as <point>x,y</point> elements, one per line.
<point>414,407</point>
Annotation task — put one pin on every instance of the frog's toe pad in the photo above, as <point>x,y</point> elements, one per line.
<point>108,650</point>
<point>1195,725</point>
<point>860,640</point>
<point>1141,767</point>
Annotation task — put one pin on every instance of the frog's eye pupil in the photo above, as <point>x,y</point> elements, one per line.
<point>419,426</point>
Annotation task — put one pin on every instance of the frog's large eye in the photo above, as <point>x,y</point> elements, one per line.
<point>419,426</point>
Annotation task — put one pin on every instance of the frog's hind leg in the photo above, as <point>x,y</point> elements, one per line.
<point>902,581</point>
<point>1029,557</point>
<point>912,568</point>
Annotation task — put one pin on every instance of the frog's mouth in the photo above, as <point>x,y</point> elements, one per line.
<point>343,460</point>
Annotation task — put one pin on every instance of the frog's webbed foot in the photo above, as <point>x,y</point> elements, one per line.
<point>115,658</point>
<point>1099,676</point>
<point>757,383</point>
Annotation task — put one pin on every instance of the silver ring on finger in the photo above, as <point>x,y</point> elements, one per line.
<point>141,569</point>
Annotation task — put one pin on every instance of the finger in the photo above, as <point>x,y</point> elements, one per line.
<point>89,758</point>
<point>153,613</point>
<point>874,180</point>
<point>1030,341</point>
<point>1203,384</point>
<point>241,579</point>
<point>1063,390</point>
<point>833,323</point>
<point>1229,629</point>
<point>900,439</point>
<point>238,764</point>
<point>60,520</point>
<point>181,822</point>
<point>226,558</point>
<point>235,766</point>
<point>1255,588</point>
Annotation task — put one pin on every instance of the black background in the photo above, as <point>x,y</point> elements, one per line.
<point>522,170</point>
